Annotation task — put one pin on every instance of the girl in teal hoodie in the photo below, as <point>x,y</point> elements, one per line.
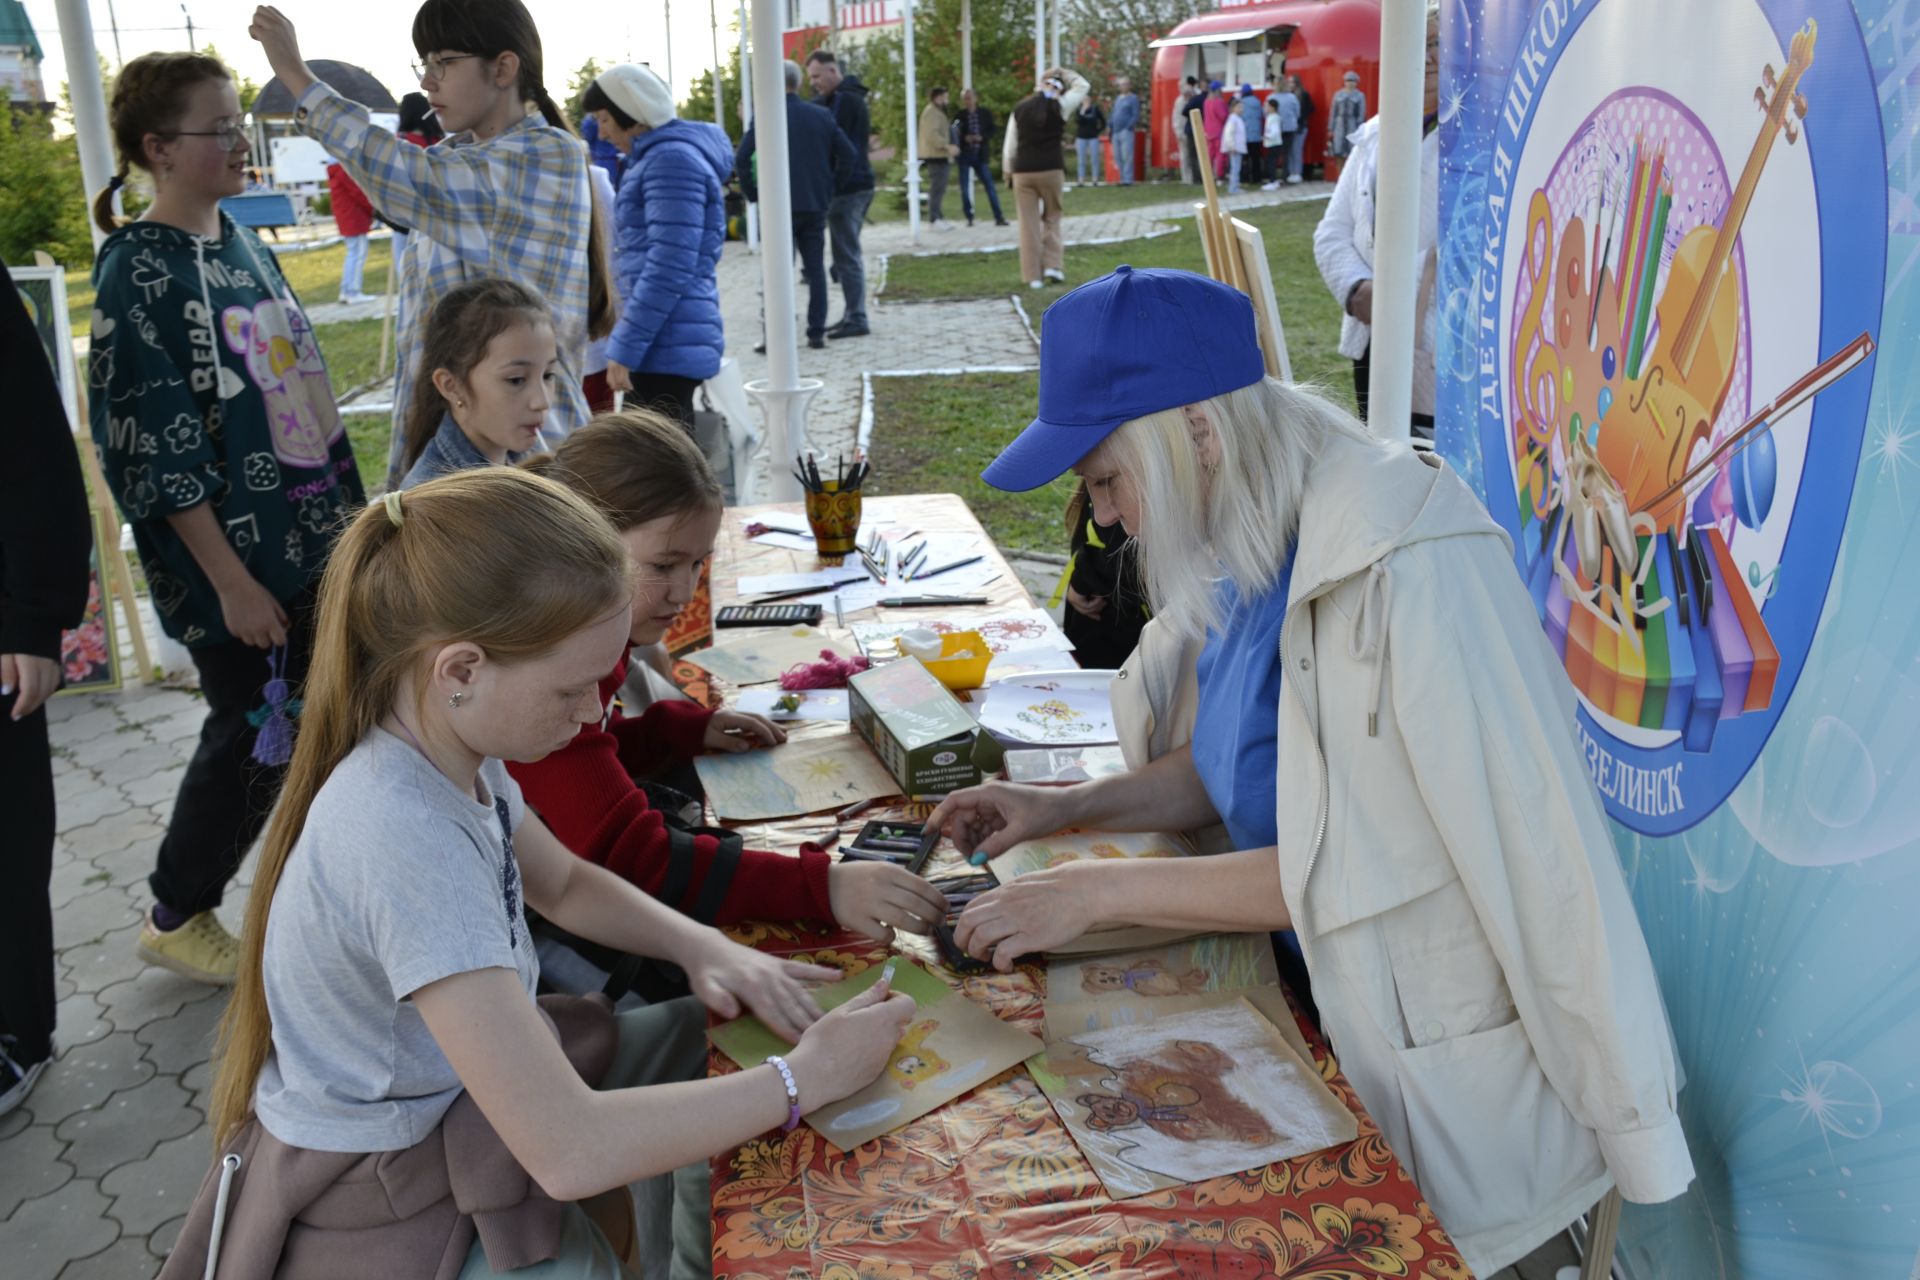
<point>223,447</point>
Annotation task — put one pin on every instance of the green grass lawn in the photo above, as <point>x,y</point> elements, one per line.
<point>891,206</point>
<point>313,273</point>
<point>937,433</point>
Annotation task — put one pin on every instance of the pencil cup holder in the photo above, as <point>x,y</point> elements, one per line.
<point>834,517</point>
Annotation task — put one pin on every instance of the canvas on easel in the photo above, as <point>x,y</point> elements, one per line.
<point>42,288</point>
<point>1236,254</point>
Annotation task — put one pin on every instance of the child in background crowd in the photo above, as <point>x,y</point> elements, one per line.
<point>222,445</point>
<point>388,969</point>
<point>491,368</point>
<point>1273,144</point>
<point>506,193</point>
<point>644,474</point>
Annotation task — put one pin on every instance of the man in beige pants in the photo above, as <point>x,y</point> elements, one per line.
<point>1032,156</point>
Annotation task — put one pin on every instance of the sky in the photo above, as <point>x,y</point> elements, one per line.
<point>374,35</point>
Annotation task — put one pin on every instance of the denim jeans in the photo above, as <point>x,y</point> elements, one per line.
<point>1296,149</point>
<point>1087,159</point>
<point>351,275</point>
<point>809,238</point>
<point>1123,156</point>
<point>845,216</point>
<point>1233,170</point>
<point>972,162</point>
<point>937,171</point>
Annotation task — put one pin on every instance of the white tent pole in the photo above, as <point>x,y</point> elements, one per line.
<point>1039,41</point>
<point>746,117</point>
<point>719,89</point>
<point>89,102</point>
<point>966,44</point>
<point>776,261</point>
<point>1396,217</point>
<point>913,134</point>
<point>668,4</point>
<point>1059,7</point>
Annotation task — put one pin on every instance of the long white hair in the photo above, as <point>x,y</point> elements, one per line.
<point>1237,520</point>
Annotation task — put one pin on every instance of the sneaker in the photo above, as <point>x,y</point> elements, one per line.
<point>1269,186</point>
<point>849,329</point>
<point>17,1079</point>
<point>200,949</point>
<point>1292,179</point>
<point>1055,274</point>
<point>1035,284</point>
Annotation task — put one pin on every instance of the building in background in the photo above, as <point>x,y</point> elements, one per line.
<point>808,23</point>
<point>20,58</point>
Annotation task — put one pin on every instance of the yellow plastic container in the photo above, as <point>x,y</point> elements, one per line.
<point>962,673</point>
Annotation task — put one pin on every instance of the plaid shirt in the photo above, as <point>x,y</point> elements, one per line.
<point>516,206</point>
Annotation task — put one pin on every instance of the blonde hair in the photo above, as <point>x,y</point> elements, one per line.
<point>149,96</point>
<point>509,561</point>
<point>1239,521</point>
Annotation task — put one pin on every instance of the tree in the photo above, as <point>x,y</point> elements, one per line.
<point>244,85</point>
<point>577,85</point>
<point>1003,70</point>
<point>1113,40</point>
<point>46,204</point>
<point>699,103</point>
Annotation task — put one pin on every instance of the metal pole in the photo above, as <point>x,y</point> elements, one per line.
<point>1039,41</point>
<point>191,46</point>
<point>719,89</point>
<point>113,21</point>
<point>667,5</point>
<point>746,117</point>
<point>776,262</point>
<point>1058,5</point>
<point>966,44</point>
<point>1396,218</point>
<point>913,133</point>
<point>89,101</point>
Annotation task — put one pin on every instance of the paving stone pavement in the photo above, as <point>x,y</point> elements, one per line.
<point>98,1167</point>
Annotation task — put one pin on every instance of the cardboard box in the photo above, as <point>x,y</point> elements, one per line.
<point>917,727</point>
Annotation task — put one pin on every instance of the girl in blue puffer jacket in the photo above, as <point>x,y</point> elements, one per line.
<point>669,226</point>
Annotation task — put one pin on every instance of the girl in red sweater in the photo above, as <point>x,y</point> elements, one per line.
<point>645,475</point>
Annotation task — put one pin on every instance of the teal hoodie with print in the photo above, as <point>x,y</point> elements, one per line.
<point>208,386</point>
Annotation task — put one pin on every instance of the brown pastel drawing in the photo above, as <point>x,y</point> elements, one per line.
<point>1148,976</point>
<point>1178,1093</point>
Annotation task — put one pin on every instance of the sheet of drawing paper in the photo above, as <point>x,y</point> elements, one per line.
<point>1188,1097</point>
<point>1003,632</point>
<point>759,655</point>
<point>1082,846</point>
<point>815,704</point>
<point>951,1045</point>
<point>1065,764</point>
<point>1062,715</point>
<point>800,776</point>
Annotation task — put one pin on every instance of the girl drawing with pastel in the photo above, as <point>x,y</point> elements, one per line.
<point>505,193</point>
<point>384,1027</point>
<point>221,444</point>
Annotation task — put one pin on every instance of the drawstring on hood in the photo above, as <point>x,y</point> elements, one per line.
<point>1368,639</point>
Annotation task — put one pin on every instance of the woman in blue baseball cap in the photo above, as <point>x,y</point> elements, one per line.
<point>1345,672</point>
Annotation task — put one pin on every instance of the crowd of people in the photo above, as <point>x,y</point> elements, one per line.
<point>450,802</point>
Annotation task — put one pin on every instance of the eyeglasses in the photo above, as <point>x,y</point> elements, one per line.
<point>228,137</point>
<point>434,66</point>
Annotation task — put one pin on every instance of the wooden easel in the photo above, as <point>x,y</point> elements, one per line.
<point>1236,254</point>
<point>113,560</point>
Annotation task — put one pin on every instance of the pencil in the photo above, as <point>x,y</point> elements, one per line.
<point>957,564</point>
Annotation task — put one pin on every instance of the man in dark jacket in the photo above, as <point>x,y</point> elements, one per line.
<point>846,98</point>
<point>819,158</point>
<point>1196,100</point>
<point>45,536</point>
<point>973,130</point>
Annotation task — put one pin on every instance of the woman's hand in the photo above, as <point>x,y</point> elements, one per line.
<point>619,377</point>
<point>727,977</point>
<point>274,31</point>
<point>252,615</point>
<point>30,678</point>
<point>986,821</point>
<point>875,898</point>
<point>741,731</point>
<point>848,1048</point>
<point>1086,606</point>
<point>1037,912</point>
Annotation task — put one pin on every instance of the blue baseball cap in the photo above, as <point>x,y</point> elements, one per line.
<point>1213,84</point>
<point>1246,91</point>
<point>1123,346</point>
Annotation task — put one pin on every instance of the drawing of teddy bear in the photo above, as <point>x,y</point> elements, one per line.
<point>912,1061</point>
<point>284,362</point>
<point>1181,1093</point>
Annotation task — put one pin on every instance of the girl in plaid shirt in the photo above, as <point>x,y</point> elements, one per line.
<point>506,193</point>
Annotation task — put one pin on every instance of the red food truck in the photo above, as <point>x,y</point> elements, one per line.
<point>1256,44</point>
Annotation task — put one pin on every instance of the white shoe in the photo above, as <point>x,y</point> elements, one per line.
<point>1292,179</point>
<point>1055,274</point>
<point>18,1081</point>
<point>1035,284</point>
<point>1269,186</point>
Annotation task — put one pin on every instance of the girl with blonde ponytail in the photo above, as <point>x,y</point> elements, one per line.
<point>387,966</point>
<point>505,193</point>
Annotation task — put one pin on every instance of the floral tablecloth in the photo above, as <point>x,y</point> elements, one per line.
<point>992,1185</point>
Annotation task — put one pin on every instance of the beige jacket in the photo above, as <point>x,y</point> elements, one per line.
<point>936,141</point>
<point>1477,962</point>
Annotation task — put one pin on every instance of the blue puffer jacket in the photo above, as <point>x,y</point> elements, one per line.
<point>669,225</point>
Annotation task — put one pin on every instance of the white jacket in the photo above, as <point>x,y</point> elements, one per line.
<point>1233,135</point>
<point>1477,962</point>
<point>1343,249</point>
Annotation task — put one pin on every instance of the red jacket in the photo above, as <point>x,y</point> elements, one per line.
<point>352,211</point>
<point>586,794</point>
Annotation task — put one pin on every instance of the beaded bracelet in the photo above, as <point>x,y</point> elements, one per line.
<point>779,1064</point>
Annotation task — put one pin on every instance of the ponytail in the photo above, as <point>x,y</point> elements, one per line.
<point>394,589</point>
<point>602,306</point>
<point>103,215</point>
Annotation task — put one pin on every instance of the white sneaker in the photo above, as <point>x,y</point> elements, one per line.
<point>1054,273</point>
<point>1292,179</point>
<point>16,1081</point>
<point>1035,284</point>
<point>1269,186</point>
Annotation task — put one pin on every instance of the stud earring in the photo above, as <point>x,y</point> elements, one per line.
<point>454,700</point>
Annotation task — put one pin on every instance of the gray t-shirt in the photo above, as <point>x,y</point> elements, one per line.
<point>398,879</point>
